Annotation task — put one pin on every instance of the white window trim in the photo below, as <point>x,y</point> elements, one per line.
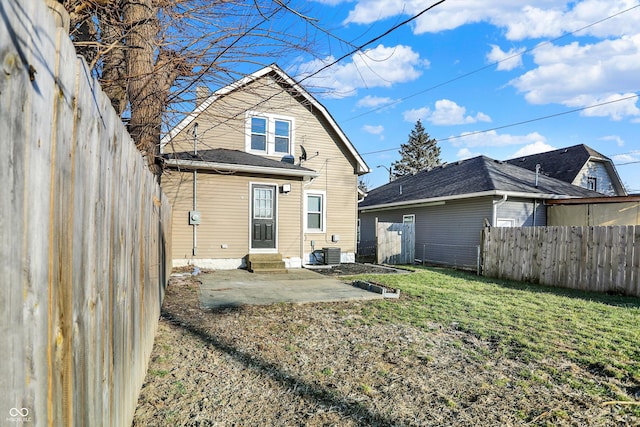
<point>271,133</point>
<point>405,217</point>
<point>501,221</point>
<point>323,194</point>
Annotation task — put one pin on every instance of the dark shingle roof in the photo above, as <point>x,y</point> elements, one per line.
<point>476,175</point>
<point>233,157</point>
<point>563,164</point>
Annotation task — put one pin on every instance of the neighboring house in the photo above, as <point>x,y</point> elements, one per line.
<point>261,167</point>
<point>578,165</point>
<point>602,211</point>
<point>450,204</point>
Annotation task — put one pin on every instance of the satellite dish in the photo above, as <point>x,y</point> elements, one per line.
<point>303,157</point>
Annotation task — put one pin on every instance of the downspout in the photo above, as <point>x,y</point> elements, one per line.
<point>535,208</point>
<point>495,208</point>
<point>195,208</point>
<point>195,189</point>
<point>535,202</point>
<point>302,235</point>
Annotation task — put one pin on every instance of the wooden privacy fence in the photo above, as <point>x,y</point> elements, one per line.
<point>84,235</point>
<point>395,243</point>
<point>605,259</point>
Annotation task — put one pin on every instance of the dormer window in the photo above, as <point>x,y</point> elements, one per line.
<point>269,134</point>
<point>592,183</point>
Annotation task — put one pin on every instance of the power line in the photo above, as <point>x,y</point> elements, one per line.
<point>354,50</point>
<point>464,135</point>
<point>373,40</point>
<point>477,70</point>
<point>412,18</point>
<point>540,118</point>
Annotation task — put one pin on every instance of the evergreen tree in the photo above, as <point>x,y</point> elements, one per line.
<point>421,152</point>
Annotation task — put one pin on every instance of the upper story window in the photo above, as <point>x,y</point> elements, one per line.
<point>592,183</point>
<point>269,134</point>
<point>283,136</point>
<point>258,134</point>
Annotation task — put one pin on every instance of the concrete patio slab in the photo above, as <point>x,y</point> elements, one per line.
<point>232,288</point>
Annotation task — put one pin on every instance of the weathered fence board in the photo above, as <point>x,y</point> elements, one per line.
<point>395,243</point>
<point>84,236</point>
<point>604,259</point>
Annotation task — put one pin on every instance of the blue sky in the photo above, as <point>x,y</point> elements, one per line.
<point>441,69</point>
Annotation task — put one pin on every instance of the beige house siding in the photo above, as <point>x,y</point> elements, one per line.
<point>224,229</point>
<point>339,182</point>
<point>341,217</point>
<point>222,124</point>
<point>224,200</point>
<point>603,214</point>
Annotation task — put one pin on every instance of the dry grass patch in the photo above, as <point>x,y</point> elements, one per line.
<point>437,356</point>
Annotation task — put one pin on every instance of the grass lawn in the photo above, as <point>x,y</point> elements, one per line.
<point>596,331</point>
<point>454,349</point>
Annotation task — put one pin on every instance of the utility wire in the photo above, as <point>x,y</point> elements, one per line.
<point>373,40</point>
<point>628,163</point>
<point>464,135</point>
<point>346,55</point>
<point>477,70</point>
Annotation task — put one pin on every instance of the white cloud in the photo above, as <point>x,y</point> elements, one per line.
<point>628,157</point>
<point>535,148</point>
<point>373,130</point>
<point>619,141</point>
<point>446,112</point>
<point>368,11</point>
<point>548,19</point>
<point>506,60</point>
<point>493,139</point>
<point>414,115</point>
<point>577,75</point>
<point>617,106</point>
<point>377,67</point>
<point>375,101</point>
<point>465,153</point>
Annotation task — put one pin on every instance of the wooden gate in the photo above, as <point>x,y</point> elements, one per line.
<point>395,243</point>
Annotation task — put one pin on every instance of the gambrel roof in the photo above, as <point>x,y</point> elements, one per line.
<point>566,163</point>
<point>476,177</point>
<point>292,87</point>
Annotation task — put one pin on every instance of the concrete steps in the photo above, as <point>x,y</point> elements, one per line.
<point>266,263</point>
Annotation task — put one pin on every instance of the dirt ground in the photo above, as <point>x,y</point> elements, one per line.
<point>325,365</point>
